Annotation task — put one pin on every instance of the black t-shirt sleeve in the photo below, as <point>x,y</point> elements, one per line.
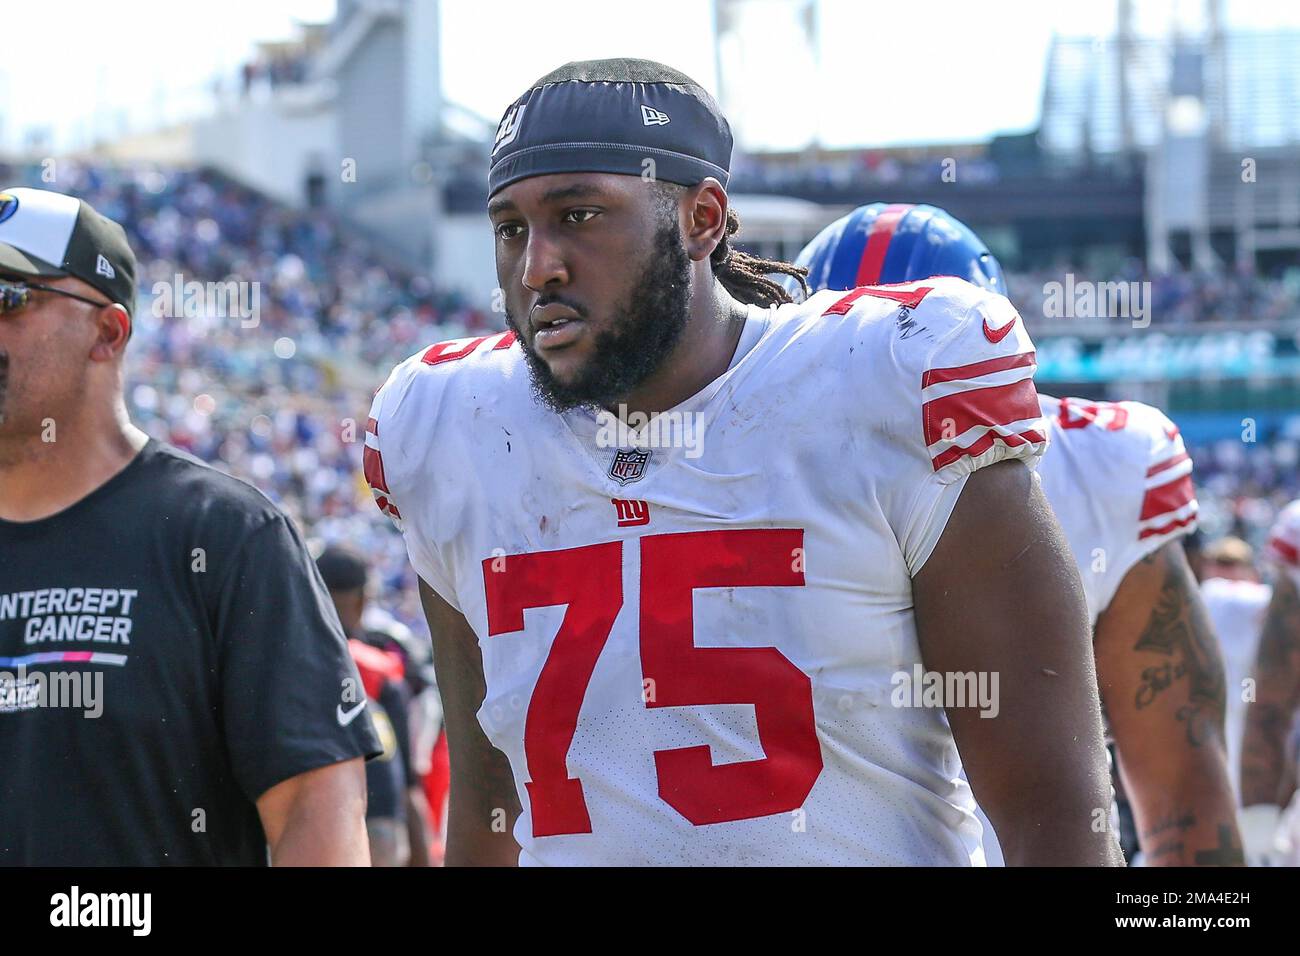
<point>289,689</point>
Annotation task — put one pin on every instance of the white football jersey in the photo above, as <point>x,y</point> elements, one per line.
<point>1236,610</point>
<point>690,648</point>
<point>1119,479</point>
<point>1284,541</point>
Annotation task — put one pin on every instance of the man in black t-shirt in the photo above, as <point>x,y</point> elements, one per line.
<point>174,684</point>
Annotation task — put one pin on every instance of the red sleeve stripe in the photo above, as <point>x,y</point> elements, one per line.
<point>947,419</point>
<point>1168,463</point>
<point>1167,497</point>
<point>1170,475</point>
<point>958,372</point>
<point>1188,510</point>
<point>372,464</point>
<point>1284,550</point>
<point>372,427</point>
<point>386,506</point>
<point>1188,522</point>
<point>1029,437</point>
<point>992,379</point>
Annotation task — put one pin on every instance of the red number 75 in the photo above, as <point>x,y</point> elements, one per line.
<point>589,580</point>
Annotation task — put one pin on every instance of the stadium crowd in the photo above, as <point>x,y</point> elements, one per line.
<point>1180,298</point>
<point>282,402</point>
<point>274,387</point>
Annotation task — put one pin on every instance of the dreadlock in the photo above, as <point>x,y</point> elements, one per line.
<point>744,276</point>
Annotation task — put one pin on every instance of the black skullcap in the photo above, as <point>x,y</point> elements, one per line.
<point>611,116</point>
<point>342,568</point>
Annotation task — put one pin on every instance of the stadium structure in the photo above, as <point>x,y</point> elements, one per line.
<point>1163,175</point>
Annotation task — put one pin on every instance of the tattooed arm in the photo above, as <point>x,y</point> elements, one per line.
<point>1277,696</point>
<point>1161,678</point>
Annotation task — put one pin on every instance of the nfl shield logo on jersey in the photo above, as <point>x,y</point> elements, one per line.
<point>628,465</point>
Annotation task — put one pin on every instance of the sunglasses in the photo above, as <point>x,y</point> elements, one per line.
<point>15,295</point>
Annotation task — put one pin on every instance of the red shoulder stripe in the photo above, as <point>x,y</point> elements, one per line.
<point>1166,528</point>
<point>1169,463</point>
<point>955,414</point>
<point>1163,499</point>
<point>983,444</point>
<point>936,375</point>
<point>1285,550</point>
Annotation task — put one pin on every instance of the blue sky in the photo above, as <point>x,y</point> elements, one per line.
<point>884,71</point>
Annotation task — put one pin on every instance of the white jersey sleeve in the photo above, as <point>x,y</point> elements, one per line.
<point>412,482</point>
<point>1284,541</point>
<point>963,399</point>
<point>1120,482</point>
<point>1169,506</point>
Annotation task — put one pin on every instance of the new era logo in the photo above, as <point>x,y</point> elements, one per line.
<point>105,268</point>
<point>652,117</point>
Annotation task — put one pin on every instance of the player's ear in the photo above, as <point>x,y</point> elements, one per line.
<point>706,221</point>
<point>112,329</point>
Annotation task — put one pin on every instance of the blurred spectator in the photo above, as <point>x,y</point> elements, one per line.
<point>279,399</point>
<point>1177,298</point>
<point>1229,558</point>
<point>397,816</point>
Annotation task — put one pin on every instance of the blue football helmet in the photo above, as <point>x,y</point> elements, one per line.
<point>896,242</point>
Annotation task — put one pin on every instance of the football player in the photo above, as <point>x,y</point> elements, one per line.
<point>708,582</point>
<point>1119,480</point>
<point>1237,602</point>
<point>1268,755</point>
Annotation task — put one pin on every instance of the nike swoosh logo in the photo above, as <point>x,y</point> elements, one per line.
<point>347,716</point>
<point>1001,333</point>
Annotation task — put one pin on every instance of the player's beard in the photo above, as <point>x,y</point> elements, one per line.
<point>643,333</point>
